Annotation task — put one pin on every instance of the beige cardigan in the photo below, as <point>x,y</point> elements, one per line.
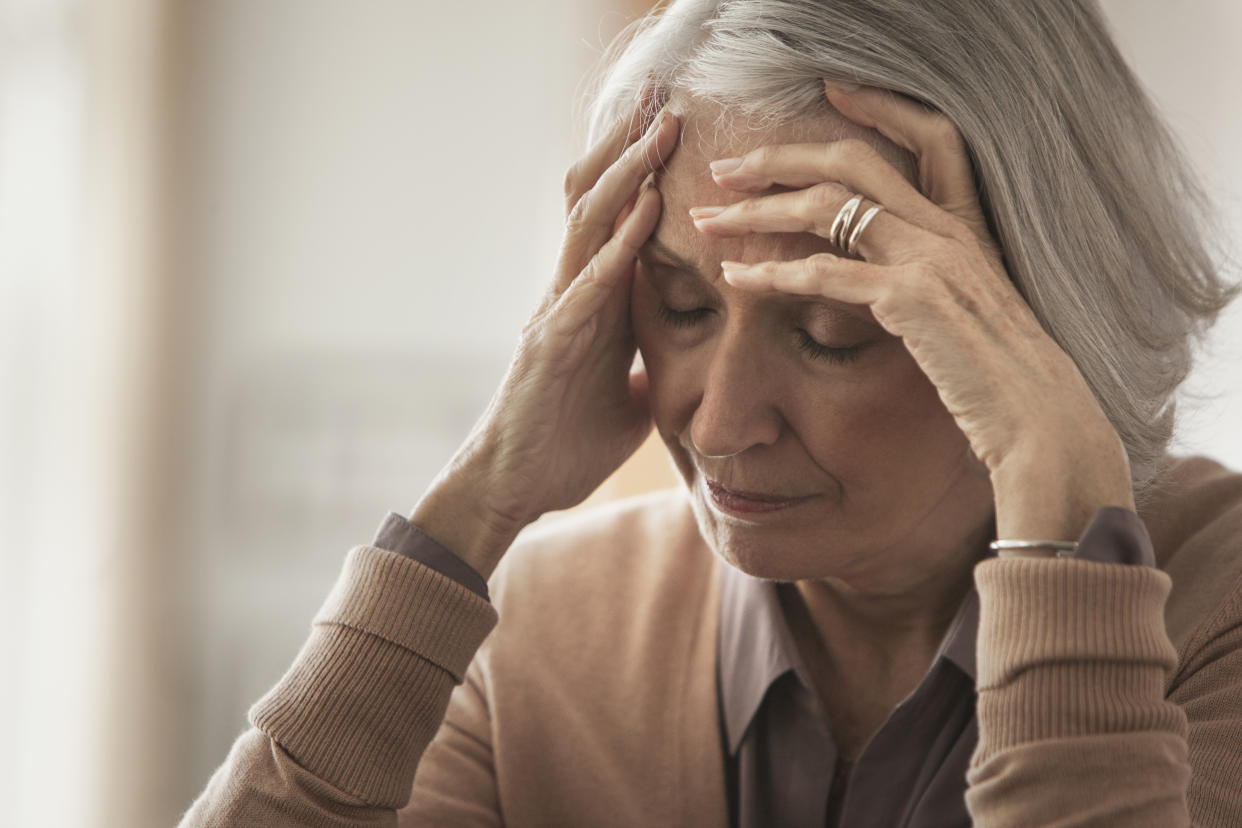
<point>594,701</point>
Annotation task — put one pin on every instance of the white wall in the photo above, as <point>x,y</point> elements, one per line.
<point>1187,56</point>
<point>374,206</point>
<point>43,378</point>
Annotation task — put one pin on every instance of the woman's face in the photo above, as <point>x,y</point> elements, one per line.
<point>743,395</point>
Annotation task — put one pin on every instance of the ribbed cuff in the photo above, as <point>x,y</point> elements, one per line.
<point>368,691</point>
<point>1070,648</point>
<point>398,535</point>
<point>424,611</point>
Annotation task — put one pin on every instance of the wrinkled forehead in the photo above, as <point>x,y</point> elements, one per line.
<point>710,132</point>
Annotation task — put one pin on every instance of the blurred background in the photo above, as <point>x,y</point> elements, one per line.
<point>262,265</point>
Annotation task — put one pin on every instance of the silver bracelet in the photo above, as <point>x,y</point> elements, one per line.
<point>1064,549</point>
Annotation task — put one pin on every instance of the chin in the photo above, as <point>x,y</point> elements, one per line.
<point>762,556</point>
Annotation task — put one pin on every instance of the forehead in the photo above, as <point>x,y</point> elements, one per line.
<point>710,132</point>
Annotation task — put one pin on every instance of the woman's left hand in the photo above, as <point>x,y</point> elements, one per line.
<point>933,275</point>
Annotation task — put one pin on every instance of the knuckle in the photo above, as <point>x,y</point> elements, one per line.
<point>627,154</point>
<point>634,151</point>
<point>911,279</point>
<point>945,132</point>
<point>572,204</point>
<point>799,279</point>
<point>855,151</point>
<point>571,179</point>
<point>943,249</point>
<point>819,264</point>
<point>923,282</point>
<point>824,196</point>
<point>546,302</point>
<point>760,156</point>
<point>577,218</point>
<point>959,231</point>
<point>589,274</point>
<point>749,207</point>
<point>533,333</point>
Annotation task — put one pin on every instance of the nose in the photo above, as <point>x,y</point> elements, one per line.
<point>736,407</point>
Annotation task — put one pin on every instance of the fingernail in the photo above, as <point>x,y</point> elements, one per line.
<point>843,86</point>
<point>732,271</point>
<point>725,165</point>
<point>697,213</point>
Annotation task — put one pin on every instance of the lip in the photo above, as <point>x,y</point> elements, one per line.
<point>748,503</point>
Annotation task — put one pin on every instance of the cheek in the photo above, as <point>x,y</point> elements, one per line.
<point>881,427</point>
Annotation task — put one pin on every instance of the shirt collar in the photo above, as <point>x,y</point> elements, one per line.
<point>753,648</point>
<point>756,646</point>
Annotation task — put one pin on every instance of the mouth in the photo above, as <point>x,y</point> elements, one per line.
<point>749,503</point>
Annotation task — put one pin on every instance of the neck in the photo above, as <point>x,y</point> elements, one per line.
<point>885,633</point>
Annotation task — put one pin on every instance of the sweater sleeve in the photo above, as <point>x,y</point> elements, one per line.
<point>337,741</point>
<point>397,534</point>
<point>1073,665</point>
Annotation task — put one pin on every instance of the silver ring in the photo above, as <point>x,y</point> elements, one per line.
<point>840,225</point>
<point>862,225</point>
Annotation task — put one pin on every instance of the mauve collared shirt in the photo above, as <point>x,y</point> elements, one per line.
<point>782,766</point>
<point>781,760</point>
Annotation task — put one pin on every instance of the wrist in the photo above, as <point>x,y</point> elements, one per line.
<point>1043,495</point>
<point>457,512</point>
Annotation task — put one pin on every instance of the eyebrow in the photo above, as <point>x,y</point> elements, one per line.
<point>681,263</point>
<point>654,245</point>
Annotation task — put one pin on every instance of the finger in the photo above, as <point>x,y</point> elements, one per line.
<point>629,205</point>
<point>945,172</point>
<point>592,220</point>
<point>822,274</point>
<point>600,279</point>
<point>624,132</point>
<point>852,162</point>
<point>586,171</point>
<point>886,239</point>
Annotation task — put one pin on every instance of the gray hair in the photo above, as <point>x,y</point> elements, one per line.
<point>1105,230</point>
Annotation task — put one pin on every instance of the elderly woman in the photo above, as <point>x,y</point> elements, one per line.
<point>913,284</point>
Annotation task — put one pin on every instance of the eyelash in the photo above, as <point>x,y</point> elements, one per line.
<point>813,349</point>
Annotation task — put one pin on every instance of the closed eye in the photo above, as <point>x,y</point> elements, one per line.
<point>681,319</point>
<point>805,342</point>
<point>815,350</point>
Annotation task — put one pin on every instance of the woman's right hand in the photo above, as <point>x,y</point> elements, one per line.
<point>568,411</point>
